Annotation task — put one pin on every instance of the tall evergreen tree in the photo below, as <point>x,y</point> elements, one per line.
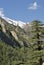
<point>37,41</point>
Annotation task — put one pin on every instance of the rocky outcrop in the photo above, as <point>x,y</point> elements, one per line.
<point>43,63</point>
<point>3,26</point>
<point>14,35</point>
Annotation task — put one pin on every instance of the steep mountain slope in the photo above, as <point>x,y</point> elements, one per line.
<point>11,34</point>
<point>14,22</point>
<point>21,46</point>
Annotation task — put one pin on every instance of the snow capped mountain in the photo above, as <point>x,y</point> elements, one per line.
<point>14,22</point>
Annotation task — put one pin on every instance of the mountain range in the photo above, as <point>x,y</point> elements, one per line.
<point>12,32</point>
<point>21,43</point>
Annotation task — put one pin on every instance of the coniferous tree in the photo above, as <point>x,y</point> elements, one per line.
<point>37,41</point>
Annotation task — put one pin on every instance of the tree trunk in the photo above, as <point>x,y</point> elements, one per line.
<point>40,61</point>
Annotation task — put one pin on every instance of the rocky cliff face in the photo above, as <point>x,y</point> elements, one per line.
<point>15,34</point>
<point>2,25</point>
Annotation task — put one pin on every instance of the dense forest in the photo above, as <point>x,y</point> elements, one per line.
<point>26,47</point>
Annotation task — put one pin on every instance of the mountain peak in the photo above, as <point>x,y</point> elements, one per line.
<point>14,22</point>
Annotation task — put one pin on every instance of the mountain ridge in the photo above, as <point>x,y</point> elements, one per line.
<point>21,46</point>
<point>14,22</point>
<point>15,33</point>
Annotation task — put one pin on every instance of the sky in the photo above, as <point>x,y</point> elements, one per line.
<point>23,10</point>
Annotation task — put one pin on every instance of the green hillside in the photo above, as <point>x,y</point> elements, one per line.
<point>21,46</point>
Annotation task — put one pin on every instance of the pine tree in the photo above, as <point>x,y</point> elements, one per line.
<point>37,42</point>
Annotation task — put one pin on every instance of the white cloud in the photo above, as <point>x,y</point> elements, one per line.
<point>1,12</point>
<point>33,6</point>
